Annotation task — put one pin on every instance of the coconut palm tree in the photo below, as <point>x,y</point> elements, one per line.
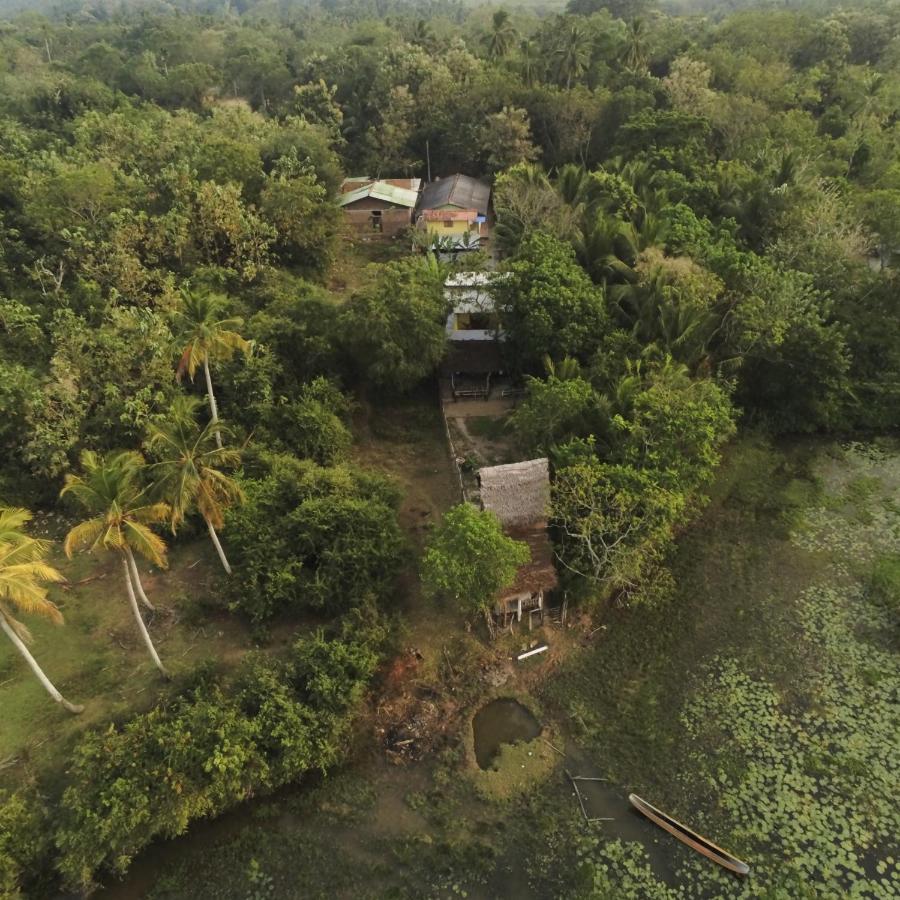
<point>189,470</point>
<point>121,514</point>
<point>23,576</point>
<point>573,54</point>
<point>12,522</point>
<point>207,335</point>
<point>531,62</point>
<point>501,36</point>
<point>635,55</point>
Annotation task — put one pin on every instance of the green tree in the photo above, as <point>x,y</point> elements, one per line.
<point>614,523</point>
<point>554,410</point>
<point>506,139</point>
<point>677,427</point>
<point>469,559</point>
<point>548,305</point>
<point>526,201</point>
<point>572,55</point>
<point>502,35</point>
<point>635,54</point>
<point>190,469</point>
<point>208,335</point>
<point>299,207</point>
<point>24,575</point>
<point>395,330</point>
<point>121,514</point>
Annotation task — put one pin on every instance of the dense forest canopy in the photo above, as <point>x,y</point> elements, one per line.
<point>698,221</point>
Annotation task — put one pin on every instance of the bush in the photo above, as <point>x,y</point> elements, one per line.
<point>23,842</point>
<point>208,750</point>
<point>311,427</point>
<point>312,537</point>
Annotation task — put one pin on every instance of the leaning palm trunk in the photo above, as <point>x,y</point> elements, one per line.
<point>136,579</point>
<point>213,408</point>
<point>32,662</point>
<point>217,544</point>
<point>137,614</point>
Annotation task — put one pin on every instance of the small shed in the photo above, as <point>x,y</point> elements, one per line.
<point>519,495</point>
<point>379,207</point>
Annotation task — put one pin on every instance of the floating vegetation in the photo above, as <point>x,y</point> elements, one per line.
<point>800,776</point>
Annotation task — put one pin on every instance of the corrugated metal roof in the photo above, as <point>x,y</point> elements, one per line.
<point>457,190</point>
<point>383,190</point>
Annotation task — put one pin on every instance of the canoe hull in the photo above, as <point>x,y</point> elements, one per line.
<point>687,836</point>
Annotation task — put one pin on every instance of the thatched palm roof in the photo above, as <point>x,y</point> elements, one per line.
<point>518,493</point>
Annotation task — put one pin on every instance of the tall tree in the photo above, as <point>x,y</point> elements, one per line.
<point>573,54</point>
<point>531,62</point>
<point>501,36</point>
<point>190,469</point>
<point>208,334</point>
<point>121,514</point>
<point>23,576</point>
<point>635,53</point>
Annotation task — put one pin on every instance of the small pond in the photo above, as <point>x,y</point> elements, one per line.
<point>503,721</point>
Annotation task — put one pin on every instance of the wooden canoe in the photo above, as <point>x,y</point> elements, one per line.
<point>691,838</point>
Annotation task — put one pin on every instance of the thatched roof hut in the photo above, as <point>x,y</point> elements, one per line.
<point>518,493</point>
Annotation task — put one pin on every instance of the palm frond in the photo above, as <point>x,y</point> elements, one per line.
<point>85,535</point>
<point>146,542</point>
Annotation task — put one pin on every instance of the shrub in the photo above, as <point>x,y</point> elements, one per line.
<point>313,425</point>
<point>207,750</point>
<point>310,536</point>
<point>23,842</point>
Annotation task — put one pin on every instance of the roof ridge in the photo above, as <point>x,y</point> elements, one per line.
<point>456,178</point>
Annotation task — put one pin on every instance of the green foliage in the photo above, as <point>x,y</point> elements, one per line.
<point>311,426</point>
<point>676,429</point>
<point>548,305</point>
<point>469,559</point>
<point>885,583</point>
<point>307,536</point>
<point>24,842</point>
<point>614,524</point>
<point>395,330</point>
<point>297,204</point>
<point>554,409</point>
<point>207,750</point>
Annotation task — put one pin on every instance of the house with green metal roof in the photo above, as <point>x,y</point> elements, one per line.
<point>379,207</point>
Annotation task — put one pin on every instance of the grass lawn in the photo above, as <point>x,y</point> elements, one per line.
<point>98,659</point>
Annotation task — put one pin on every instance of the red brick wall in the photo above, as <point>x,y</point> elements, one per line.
<point>393,219</point>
